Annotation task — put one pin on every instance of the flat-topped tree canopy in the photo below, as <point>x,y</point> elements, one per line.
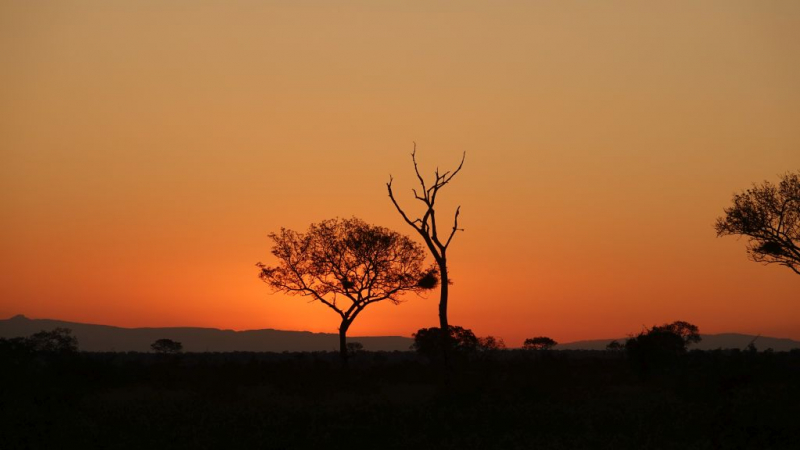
<point>347,264</point>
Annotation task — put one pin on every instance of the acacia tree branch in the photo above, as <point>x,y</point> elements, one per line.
<point>314,293</point>
<point>305,291</point>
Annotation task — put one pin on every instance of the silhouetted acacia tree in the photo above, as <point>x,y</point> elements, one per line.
<point>539,343</point>
<point>769,216</point>
<point>347,264</point>
<point>166,346</point>
<point>426,226</point>
<point>615,346</point>
<point>428,341</point>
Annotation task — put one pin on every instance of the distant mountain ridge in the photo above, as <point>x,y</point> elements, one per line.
<point>100,338</point>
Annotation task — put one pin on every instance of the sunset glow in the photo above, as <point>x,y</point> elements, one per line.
<point>147,149</point>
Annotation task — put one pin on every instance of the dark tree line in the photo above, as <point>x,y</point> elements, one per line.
<point>58,341</point>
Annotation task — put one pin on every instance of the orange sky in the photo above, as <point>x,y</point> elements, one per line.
<point>147,149</point>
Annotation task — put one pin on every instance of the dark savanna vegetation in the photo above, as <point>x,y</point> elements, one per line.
<point>451,390</point>
<point>496,399</point>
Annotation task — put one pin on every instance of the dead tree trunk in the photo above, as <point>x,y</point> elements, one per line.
<point>444,324</point>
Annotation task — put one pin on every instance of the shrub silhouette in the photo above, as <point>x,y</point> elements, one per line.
<point>459,341</point>
<point>490,343</point>
<point>166,346</point>
<point>354,348</point>
<point>539,343</point>
<point>658,349</point>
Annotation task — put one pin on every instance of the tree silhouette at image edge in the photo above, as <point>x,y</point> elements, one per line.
<point>769,215</point>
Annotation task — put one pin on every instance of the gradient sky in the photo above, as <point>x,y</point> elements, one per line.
<point>147,148</point>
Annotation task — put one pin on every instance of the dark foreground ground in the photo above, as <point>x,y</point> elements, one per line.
<point>506,400</point>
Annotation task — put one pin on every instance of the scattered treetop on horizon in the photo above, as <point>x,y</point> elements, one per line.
<point>539,343</point>
<point>166,346</point>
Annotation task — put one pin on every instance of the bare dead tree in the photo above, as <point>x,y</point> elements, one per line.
<point>426,226</point>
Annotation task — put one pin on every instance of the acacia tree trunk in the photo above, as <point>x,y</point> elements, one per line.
<point>343,341</point>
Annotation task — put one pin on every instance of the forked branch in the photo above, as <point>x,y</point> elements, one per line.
<point>426,225</point>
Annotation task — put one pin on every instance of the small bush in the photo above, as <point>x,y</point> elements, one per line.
<point>430,343</point>
<point>166,346</point>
